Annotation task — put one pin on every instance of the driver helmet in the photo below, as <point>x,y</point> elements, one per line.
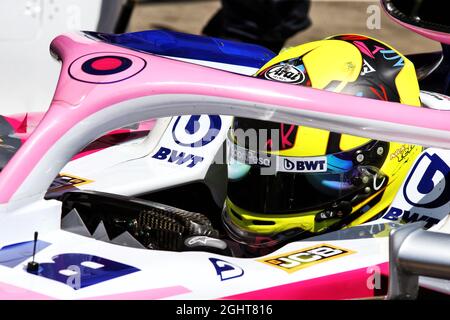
<point>323,180</point>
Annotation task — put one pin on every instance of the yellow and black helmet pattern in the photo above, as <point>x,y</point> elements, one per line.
<point>260,205</point>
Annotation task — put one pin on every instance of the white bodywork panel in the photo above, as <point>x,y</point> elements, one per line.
<point>191,270</point>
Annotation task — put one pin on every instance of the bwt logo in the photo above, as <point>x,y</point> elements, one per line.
<point>313,165</point>
<point>196,131</point>
<point>431,190</point>
<point>177,157</point>
<point>396,214</point>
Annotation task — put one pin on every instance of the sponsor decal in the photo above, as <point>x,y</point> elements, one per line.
<point>66,181</point>
<point>226,270</point>
<point>78,270</point>
<point>300,259</point>
<point>177,157</point>
<point>366,68</point>
<point>199,240</point>
<point>196,130</point>
<point>203,240</point>
<point>196,241</point>
<point>285,73</point>
<point>426,192</point>
<point>291,164</point>
<point>248,156</point>
<point>284,164</point>
<point>431,190</point>
<point>396,214</point>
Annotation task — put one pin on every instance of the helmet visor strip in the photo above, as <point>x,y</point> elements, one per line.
<point>271,184</point>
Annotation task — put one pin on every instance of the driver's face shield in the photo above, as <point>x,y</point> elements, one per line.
<point>251,147</point>
<point>272,197</point>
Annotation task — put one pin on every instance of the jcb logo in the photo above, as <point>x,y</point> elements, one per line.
<point>66,181</point>
<point>293,261</point>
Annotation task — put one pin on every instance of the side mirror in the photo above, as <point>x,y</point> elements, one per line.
<point>426,17</point>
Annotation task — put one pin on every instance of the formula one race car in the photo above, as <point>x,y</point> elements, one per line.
<point>138,213</point>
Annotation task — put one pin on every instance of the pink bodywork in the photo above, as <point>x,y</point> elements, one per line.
<point>9,292</point>
<point>344,285</point>
<point>24,124</point>
<point>152,75</point>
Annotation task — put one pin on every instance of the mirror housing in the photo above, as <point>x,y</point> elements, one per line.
<point>424,17</point>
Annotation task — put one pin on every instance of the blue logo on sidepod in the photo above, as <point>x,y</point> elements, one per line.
<point>196,130</point>
<point>79,270</point>
<point>226,270</point>
<point>432,190</point>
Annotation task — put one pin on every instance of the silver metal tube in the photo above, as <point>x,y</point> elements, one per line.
<point>426,253</point>
<point>414,252</point>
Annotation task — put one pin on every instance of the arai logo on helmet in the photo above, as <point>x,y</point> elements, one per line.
<point>285,73</point>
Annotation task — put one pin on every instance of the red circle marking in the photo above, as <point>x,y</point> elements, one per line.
<point>104,64</point>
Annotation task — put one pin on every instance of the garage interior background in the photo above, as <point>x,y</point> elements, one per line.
<point>328,17</point>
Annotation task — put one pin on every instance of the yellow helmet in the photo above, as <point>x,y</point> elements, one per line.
<point>323,180</point>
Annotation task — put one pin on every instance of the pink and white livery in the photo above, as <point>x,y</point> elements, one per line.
<point>103,87</point>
